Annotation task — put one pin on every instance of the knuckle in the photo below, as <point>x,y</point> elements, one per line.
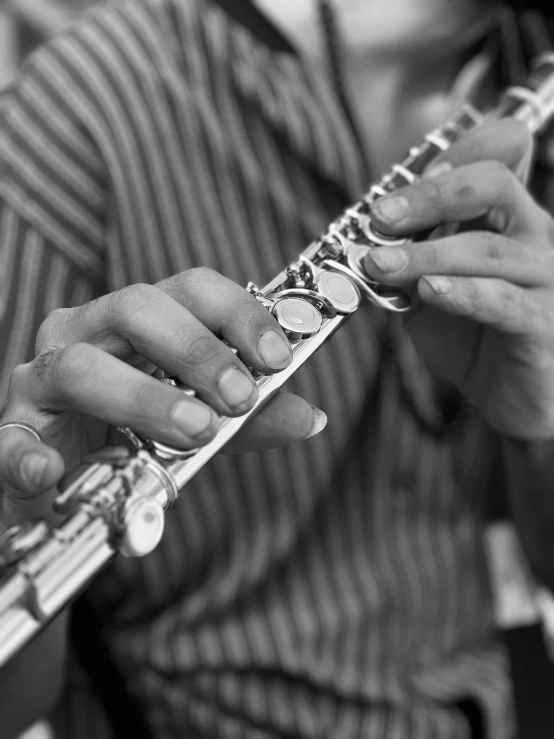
<point>19,375</point>
<point>53,319</point>
<point>81,311</point>
<point>505,306</point>
<point>245,310</point>
<point>43,363</point>
<point>199,349</point>
<point>492,248</point>
<point>50,329</point>
<point>465,192</point>
<point>202,274</point>
<point>197,276</point>
<point>66,366</point>
<point>129,300</point>
<point>187,287</point>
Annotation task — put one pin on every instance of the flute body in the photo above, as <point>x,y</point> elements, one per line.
<point>116,501</point>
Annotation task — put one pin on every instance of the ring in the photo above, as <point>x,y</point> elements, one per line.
<point>24,426</point>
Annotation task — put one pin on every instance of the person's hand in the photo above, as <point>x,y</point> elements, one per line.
<point>486,320</point>
<point>91,374</point>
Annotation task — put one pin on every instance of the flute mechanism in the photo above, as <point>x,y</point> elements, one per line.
<point>115,502</point>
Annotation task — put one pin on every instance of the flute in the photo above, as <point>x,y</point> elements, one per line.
<point>115,502</point>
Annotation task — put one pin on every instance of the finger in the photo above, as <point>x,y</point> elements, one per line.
<point>507,141</point>
<point>27,465</point>
<point>230,311</point>
<point>146,321</point>
<point>83,378</point>
<point>116,321</point>
<point>486,189</point>
<point>495,303</point>
<point>286,419</point>
<point>471,254</point>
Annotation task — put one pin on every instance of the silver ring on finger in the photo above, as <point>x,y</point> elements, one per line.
<point>25,426</point>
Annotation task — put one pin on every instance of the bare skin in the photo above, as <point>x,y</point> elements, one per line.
<point>86,380</point>
<point>487,292</point>
<point>485,324</point>
<point>399,59</point>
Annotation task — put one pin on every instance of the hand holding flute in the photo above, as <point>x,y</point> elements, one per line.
<point>487,291</point>
<point>87,377</point>
<point>485,325</point>
<point>483,289</point>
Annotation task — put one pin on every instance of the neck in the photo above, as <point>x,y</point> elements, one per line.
<point>400,58</point>
<point>409,41</point>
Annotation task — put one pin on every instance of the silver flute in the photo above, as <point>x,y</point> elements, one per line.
<point>115,502</point>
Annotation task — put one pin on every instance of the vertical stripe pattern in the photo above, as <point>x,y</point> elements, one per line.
<point>335,588</point>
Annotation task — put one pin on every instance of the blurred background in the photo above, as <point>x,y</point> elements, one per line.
<point>25,24</point>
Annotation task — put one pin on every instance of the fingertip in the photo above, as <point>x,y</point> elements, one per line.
<point>432,286</point>
<point>437,168</point>
<point>54,470</point>
<point>319,422</point>
<point>274,350</point>
<point>286,419</point>
<point>425,291</point>
<point>389,212</point>
<point>294,419</point>
<point>40,469</point>
<point>27,465</point>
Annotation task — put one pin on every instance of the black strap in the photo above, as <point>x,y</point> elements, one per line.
<point>248,15</point>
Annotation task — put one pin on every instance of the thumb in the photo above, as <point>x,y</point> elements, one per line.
<point>28,466</point>
<point>285,420</point>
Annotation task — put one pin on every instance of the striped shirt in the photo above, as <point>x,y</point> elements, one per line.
<point>334,588</point>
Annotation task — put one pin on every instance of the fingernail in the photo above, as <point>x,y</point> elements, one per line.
<point>274,350</point>
<point>236,389</point>
<point>193,419</point>
<point>437,169</point>
<point>32,468</point>
<point>319,422</point>
<point>388,259</point>
<point>439,285</point>
<point>391,209</point>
